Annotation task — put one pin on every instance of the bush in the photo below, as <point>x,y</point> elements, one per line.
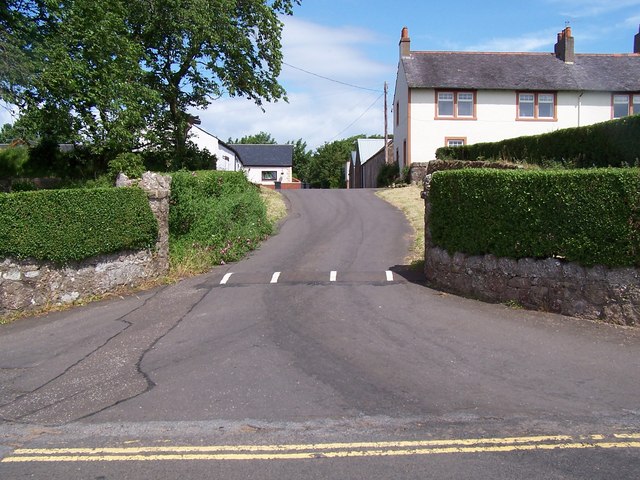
<point>12,161</point>
<point>610,144</point>
<point>587,216</point>
<point>130,164</point>
<point>71,225</point>
<point>388,174</point>
<point>217,215</point>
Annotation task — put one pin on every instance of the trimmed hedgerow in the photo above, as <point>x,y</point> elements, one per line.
<point>587,216</point>
<point>609,144</point>
<point>216,216</point>
<point>70,225</point>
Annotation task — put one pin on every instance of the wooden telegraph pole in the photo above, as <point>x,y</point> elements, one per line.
<point>386,131</point>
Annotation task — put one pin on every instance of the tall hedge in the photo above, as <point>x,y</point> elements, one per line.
<point>218,214</point>
<point>587,216</point>
<point>70,225</point>
<point>609,144</point>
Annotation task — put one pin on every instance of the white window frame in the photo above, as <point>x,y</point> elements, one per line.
<point>456,98</point>
<point>268,178</point>
<point>533,101</point>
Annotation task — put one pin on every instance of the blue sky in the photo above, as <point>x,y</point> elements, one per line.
<point>356,42</point>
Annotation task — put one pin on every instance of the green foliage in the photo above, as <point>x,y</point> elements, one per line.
<point>70,225</point>
<point>12,161</point>
<point>301,158</point>
<point>609,144</point>
<point>130,164</point>
<point>216,215</point>
<point>262,138</point>
<point>326,168</point>
<point>587,216</point>
<point>388,175</point>
<point>115,73</point>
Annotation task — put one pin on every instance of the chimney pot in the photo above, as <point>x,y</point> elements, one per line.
<point>405,43</point>
<point>564,48</point>
<point>636,42</point>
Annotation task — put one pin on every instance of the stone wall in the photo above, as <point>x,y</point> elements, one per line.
<point>552,285</point>
<point>27,284</point>
<point>417,172</point>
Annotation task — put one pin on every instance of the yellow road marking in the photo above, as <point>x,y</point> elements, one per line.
<point>326,450</point>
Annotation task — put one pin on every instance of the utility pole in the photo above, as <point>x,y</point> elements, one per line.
<point>386,131</point>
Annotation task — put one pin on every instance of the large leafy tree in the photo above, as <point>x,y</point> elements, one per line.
<point>111,70</point>
<point>198,50</point>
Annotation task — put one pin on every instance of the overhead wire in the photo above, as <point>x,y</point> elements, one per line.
<point>331,79</point>
<point>361,115</point>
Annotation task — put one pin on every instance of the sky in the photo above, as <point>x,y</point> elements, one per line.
<point>354,45</point>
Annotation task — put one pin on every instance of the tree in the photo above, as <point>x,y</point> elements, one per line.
<point>115,69</point>
<point>301,158</point>
<point>197,50</point>
<point>326,168</point>
<point>262,138</point>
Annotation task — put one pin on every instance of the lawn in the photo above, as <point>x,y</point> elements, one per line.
<point>408,200</point>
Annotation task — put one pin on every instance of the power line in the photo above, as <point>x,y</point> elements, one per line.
<point>330,79</point>
<point>362,115</point>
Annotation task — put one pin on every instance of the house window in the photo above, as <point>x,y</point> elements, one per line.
<point>458,105</point>
<point>536,106</point>
<point>269,175</point>
<point>455,142</point>
<point>624,105</point>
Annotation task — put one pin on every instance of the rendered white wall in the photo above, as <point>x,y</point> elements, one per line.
<point>496,119</point>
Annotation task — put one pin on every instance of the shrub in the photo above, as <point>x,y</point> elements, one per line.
<point>609,144</point>
<point>130,164</point>
<point>71,225</point>
<point>587,216</point>
<point>217,215</point>
<point>388,174</point>
<point>12,161</point>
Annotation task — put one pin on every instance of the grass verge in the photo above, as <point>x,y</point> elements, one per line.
<point>408,200</point>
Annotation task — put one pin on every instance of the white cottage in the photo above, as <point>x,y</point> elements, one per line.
<point>459,98</point>
<point>227,158</point>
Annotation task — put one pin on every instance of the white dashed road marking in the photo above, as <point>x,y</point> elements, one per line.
<point>333,276</point>
<point>225,279</point>
<point>389,276</point>
<point>275,277</point>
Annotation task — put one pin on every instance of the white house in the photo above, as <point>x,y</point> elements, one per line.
<point>458,98</point>
<point>266,164</point>
<point>227,158</point>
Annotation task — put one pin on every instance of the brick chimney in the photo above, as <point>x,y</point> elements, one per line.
<point>564,48</point>
<point>405,43</point>
<point>636,42</point>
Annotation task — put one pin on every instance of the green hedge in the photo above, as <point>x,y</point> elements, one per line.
<point>219,215</point>
<point>610,144</point>
<point>70,225</point>
<point>587,216</point>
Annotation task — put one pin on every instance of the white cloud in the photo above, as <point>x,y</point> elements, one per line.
<point>318,109</point>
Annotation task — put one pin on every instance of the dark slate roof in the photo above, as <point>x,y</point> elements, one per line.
<point>252,155</point>
<point>522,71</point>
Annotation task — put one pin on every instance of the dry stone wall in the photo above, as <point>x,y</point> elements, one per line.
<point>553,285</point>
<point>27,284</point>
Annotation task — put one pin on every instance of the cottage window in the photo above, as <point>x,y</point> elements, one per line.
<point>269,175</point>
<point>445,104</point>
<point>536,106</point>
<point>455,142</point>
<point>624,105</point>
<point>458,105</point>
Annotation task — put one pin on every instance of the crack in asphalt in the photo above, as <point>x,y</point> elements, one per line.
<point>111,373</point>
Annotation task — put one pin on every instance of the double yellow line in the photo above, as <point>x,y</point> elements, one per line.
<point>324,450</point>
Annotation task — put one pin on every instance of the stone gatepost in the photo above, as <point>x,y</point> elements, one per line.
<point>158,189</point>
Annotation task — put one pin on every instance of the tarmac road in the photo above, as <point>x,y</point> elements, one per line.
<point>319,356</point>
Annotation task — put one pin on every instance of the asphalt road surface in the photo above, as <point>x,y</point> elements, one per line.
<point>319,356</point>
